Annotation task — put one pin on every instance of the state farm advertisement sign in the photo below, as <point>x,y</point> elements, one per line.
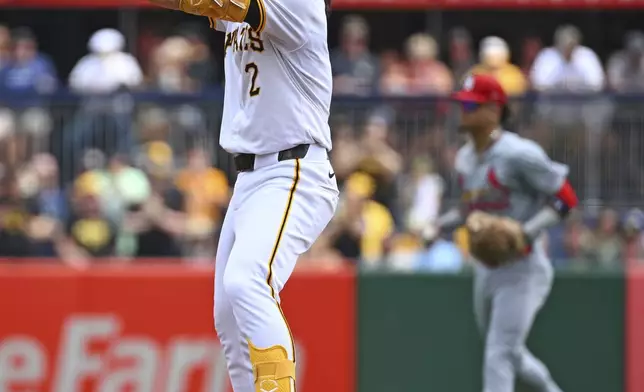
<point>93,355</point>
<point>132,329</point>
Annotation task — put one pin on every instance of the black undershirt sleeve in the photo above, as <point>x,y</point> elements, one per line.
<point>254,15</point>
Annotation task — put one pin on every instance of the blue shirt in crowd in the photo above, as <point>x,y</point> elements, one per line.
<point>442,256</point>
<point>37,75</point>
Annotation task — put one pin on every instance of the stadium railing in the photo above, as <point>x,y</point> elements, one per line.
<point>599,136</point>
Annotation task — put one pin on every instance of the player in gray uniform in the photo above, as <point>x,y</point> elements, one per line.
<point>506,175</point>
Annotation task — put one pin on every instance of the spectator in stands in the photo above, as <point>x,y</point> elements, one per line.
<point>50,198</point>
<point>620,169</point>
<point>5,46</point>
<point>206,192</point>
<point>633,229</point>
<point>621,148</point>
<point>566,241</point>
<point>28,71</point>
<point>153,123</point>
<point>203,70</point>
<point>362,227</point>
<point>36,124</point>
<point>440,256</point>
<point>118,185</point>
<point>190,127</point>
<point>8,127</point>
<point>494,56</point>
<point>425,191</point>
<point>160,221</point>
<point>530,48</point>
<point>149,38</point>
<point>568,66</point>
<point>130,184</point>
<point>461,59</point>
<point>26,131</point>
<point>345,155</point>
<point>15,240</point>
<point>49,206</point>
<point>404,249</point>
<point>94,171</point>
<point>461,56</point>
<point>106,74</point>
<point>355,69</point>
<point>625,68</point>
<point>14,149</point>
<point>107,68</point>
<point>170,64</point>
<point>180,65</point>
<point>604,248</point>
<point>427,75</point>
<point>394,77</point>
<point>89,233</point>
<point>128,188</point>
<point>571,69</point>
<point>377,158</point>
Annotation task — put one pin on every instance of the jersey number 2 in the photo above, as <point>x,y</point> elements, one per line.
<point>251,68</point>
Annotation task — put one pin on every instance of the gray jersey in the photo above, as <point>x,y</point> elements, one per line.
<point>514,177</point>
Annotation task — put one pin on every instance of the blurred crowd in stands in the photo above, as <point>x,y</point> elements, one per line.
<point>110,178</point>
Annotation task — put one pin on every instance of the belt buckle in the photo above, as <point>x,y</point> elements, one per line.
<point>296,152</point>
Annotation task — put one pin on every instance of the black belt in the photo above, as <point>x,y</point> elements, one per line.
<point>246,162</point>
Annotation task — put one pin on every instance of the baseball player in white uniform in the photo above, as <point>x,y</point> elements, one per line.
<point>275,122</point>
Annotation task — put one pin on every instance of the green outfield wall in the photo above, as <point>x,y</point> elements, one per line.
<point>416,333</point>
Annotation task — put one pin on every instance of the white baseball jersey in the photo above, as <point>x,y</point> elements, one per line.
<point>278,80</point>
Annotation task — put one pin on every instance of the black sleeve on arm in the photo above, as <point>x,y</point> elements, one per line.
<point>254,15</point>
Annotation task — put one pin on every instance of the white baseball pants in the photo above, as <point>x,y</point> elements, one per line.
<point>276,213</point>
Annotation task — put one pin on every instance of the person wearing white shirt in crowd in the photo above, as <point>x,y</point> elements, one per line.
<point>103,122</point>
<point>426,188</point>
<point>107,67</point>
<point>625,67</point>
<point>569,68</point>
